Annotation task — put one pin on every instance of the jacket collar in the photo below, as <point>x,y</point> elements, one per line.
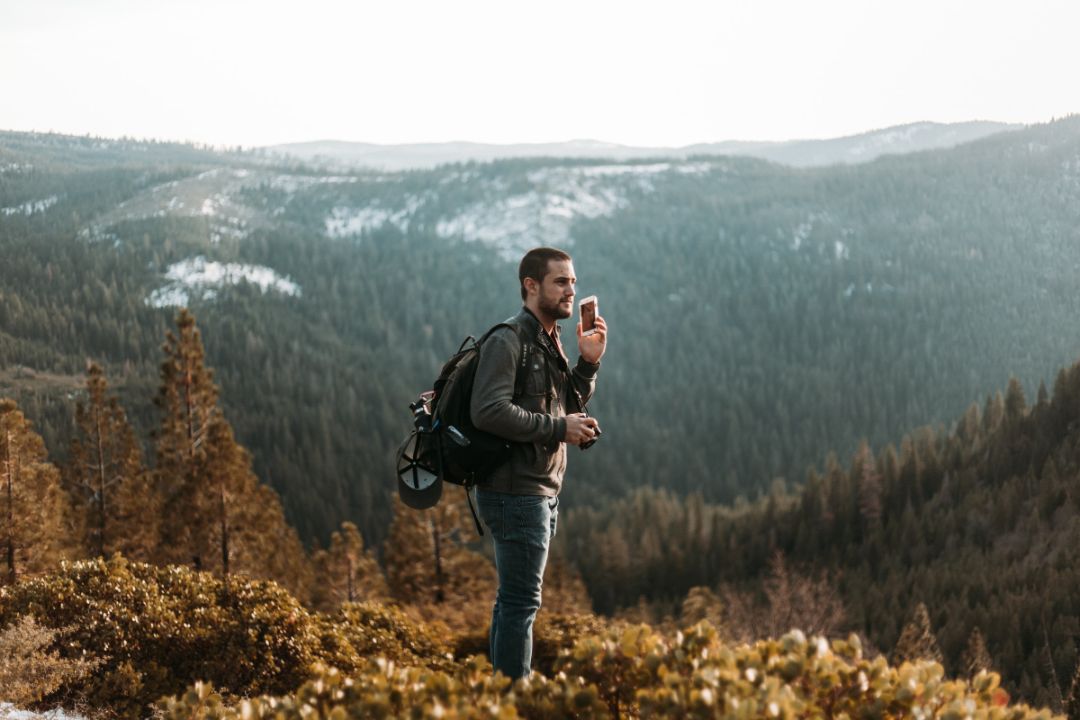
<point>536,331</point>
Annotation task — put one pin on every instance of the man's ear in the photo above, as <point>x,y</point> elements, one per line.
<point>531,286</point>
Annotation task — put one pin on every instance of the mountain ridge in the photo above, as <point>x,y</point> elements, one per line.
<point>859,147</point>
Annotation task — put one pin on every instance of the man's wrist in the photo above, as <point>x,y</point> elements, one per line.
<point>560,429</point>
<point>586,368</point>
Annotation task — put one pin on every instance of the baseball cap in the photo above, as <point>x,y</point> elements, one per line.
<point>419,486</point>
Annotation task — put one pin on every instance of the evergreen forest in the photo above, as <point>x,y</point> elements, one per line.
<point>841,399</point>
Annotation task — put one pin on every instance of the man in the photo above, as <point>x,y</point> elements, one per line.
<point>519,501</point>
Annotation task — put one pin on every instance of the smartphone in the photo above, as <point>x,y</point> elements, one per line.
<point>587,313</point>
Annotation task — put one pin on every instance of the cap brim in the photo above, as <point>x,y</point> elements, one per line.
<point>419,499</point>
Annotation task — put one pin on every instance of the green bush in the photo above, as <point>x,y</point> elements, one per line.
<point>556,635</point>
<point>553,634</point>
<point>154,631</point>
<point>361,631</point>
<point>695,675</point>
<point>635,672</point>
<point>383,689</point>
<point>157,630</point>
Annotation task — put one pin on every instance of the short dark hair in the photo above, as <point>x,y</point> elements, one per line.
<point>535,265</point>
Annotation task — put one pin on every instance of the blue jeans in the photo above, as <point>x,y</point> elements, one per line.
<point>522,527</point>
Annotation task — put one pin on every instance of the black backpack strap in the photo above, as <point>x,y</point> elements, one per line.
<point>520,374</point>
<point>472,509</point>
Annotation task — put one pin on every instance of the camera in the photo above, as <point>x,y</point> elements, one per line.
<point>589,443</point>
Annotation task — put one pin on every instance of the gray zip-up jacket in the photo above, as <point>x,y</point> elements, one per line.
<point>536,421</point>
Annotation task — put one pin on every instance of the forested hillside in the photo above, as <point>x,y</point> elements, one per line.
<point>760,315</point>
<point>979,523</point>
<point>961,522</point>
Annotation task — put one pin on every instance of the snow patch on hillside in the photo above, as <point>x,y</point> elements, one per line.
<point>541,213</point>
<point>545,214</point>
<point>825,225</point>
<point>218,195</point>
<point>15,167</point>
<point>200,279</point>
<point>32,207</point>
<point>232,227</point>
<point>805,229</point>
<point>347,221</point>
<point>801,233</point>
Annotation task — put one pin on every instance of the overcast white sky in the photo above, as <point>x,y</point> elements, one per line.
<point>661,73</point>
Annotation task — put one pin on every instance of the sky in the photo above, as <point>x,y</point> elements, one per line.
<point>663,74</point>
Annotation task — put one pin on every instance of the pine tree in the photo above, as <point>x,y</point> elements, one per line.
<point>188,400</point>
<point>701,603</point>
<point>236,523</point>
<point>34,510</point>
<point>409,555</point>
<point>564,590</point>
<point>911,472</point>
<point>1015,402</point>
<point>917,640</point>
<point>869,485</point>
<point>931,472</point>
<point>346,571</point>
<point>993,413</point>
<point>1053,687</point>
<point>976,657</point>
<point>105,477</point>
<point>1042,398</point>
<point>216,513</point>
<point>1072,700</point>
<point>813,506</point>
<point>968,428</point>
<point>272,548</point>
<point>800,601</point>
<point>841,499</point>
<point>428,565</point>
<point>889,465</point>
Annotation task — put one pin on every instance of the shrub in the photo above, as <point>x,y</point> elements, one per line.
<point>553,634</point>
<point>556,635</point>
<point>696,675</point>
<point>383,689</point>
<point>29,668</point>
<point>360,631</point>
<point>635,672</point>
<point>157,630</point>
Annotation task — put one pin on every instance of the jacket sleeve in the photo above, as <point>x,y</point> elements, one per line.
<point>492,408</point>
<point>583,377</point>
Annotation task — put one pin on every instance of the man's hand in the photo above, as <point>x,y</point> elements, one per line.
<point>581,428</point>
<point>592,346</point>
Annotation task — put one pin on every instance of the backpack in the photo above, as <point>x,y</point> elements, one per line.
<point>444,445</point>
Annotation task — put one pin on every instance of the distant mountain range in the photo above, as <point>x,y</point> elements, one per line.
<point>851,149</point>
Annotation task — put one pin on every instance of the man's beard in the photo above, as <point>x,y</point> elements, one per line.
<point>556,310</point>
